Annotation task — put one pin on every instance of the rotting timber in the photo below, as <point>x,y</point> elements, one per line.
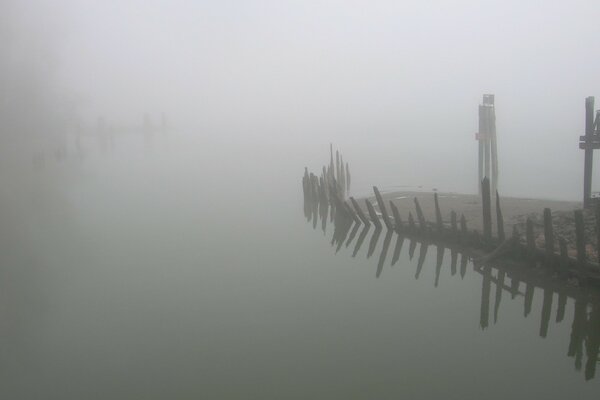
<point>513,265</point>
<point>517,249</point>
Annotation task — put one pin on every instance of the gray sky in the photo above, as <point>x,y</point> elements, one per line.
<point>407,75</point>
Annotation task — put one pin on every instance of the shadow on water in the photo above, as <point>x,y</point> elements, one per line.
<point>584,342</point>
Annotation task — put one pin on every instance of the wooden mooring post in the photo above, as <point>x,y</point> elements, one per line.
<point>488,155</point>
<point>588,143</point>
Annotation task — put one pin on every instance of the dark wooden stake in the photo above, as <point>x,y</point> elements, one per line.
<point>411,222</point>
<point>548,234</point>
<point>373,214</point>
<point>580,236</point>
<point>397,220</point>
<point>359,211</point>
<point>564,256</point>
<point>453,224</point>
<point>499,219</point>
<point>420,216</point>
<point>438,213</point>
<point>381,204</point>
<point>487,209</point>
<point>530,239</point>
<point>589,151</point>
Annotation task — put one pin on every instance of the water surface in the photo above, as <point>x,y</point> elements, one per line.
<point>182,269</point>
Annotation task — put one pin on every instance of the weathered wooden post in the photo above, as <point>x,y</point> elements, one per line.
<point>381,204</point>
<point>587,143</point>
<point>488,157</point>
<point>397,220</point>
<point>373,214</point>
<point>580,236</point>
<point>411,222</point>
<point>420,216</point>
<point>597,214</point>
<point>564,256</point>
<point>359,211</point>
<point>548,235</point>
<point>499,219</point>
<point>438,214</point>
<point>453,225</point>
<point>487,209</point>
<point>347,178</point>
<point>463,228</point>
<point>530,239</point>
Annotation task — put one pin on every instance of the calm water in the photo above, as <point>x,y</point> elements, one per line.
<point>181,270</point>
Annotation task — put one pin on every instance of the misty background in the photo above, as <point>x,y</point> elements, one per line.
<point>395,85</point>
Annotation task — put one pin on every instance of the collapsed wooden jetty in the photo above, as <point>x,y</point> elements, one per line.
<point>329,191</point>
<point>506,262</point>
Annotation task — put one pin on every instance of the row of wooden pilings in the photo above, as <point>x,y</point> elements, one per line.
<point>584,338</point>
<point>327,190</point>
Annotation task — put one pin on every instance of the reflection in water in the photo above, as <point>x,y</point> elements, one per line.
<point>361,239</point>
<point>397,249</point>
<point>422,255</point>
<point>585,329</point>
<point>384,250</point>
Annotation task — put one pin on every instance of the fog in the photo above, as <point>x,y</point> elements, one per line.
<point>184,231</point>
<point>396,84</point>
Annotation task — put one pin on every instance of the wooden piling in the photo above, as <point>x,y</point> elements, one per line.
<point>359,212</point>
<point>381,204</point>
<point>420,216</point>
<point>499,219</point>
<point>397,220</point>
<point>411,222</point>
<point>438,213</point>
<point>463,228</point>
<point>373,214</point>
<point>564,256</point>
<point>548,234</point>
<point>597,214</point>
<point>530,239</point>
<point>487,209</point>
<point>347,178</point>
<point>351,212</point>
<point>453,224</point>
<point>589,151</point>
<point>580,236</point>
